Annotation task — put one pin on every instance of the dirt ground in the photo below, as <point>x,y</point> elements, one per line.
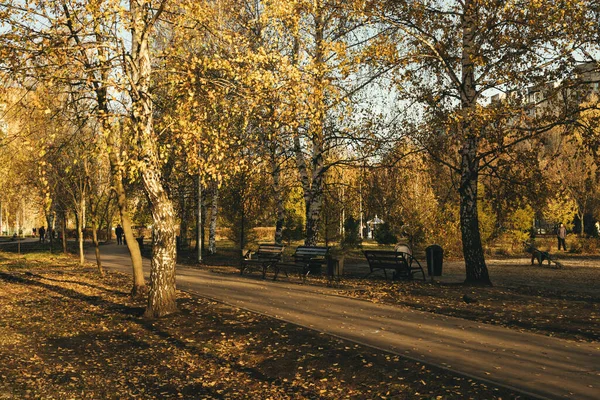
<point>67,333</point>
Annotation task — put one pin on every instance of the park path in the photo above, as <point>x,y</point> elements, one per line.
<point>536,365</point>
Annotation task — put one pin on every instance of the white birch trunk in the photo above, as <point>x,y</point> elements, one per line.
<point>476,269</point>
<point>161,296</point>
<point>214,209</point>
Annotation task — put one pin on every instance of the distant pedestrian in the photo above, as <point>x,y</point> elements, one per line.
<point>42,232</point>
<point>119,233</point>
<point>561,235</point>
<point>34,232</point>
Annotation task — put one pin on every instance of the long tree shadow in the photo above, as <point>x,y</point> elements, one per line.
<point>73,294</point>
<point>97,287</point>
<point>77,345</point>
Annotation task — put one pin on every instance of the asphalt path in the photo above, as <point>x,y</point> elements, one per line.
<point>536,365</point>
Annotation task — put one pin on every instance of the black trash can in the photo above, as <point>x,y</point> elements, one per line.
<point>140,241</point>
<point>435,259</point>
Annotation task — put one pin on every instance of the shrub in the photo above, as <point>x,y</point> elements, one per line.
<point>582,245</point>
<point>293,228</point>
<point>384,234</point>
<point>351,238</point>
<point>264,233</point>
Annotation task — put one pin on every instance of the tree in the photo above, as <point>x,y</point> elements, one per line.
<point>450,55</point>
<point>142,18</point>
<point>75,45</point>
<point>576,175</point>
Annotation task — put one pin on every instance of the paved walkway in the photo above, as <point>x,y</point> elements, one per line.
<point>537,365</point>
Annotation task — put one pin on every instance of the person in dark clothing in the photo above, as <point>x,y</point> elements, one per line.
<point>42,232</point>
<point>119,232</point>
<point>561,235</point>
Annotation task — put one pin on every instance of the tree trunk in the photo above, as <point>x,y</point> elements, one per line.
<point>199,226</point>
<point>49,231</point>
<point>64,232</point>
<point>183,222</point>
<point>312,175</point>
<point>139,283</point>
<point>79,236</point>
<point>214,209</point>
<point>161,296</point>
<point>99,77</point>
<point>476,269</point>
<point>97,247</point>
<point>243,213</point>
<point>107,217</point>
<point>314,206</point>
<point>280,207</point>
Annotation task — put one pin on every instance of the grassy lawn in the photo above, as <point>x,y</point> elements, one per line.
<point>65,333</point>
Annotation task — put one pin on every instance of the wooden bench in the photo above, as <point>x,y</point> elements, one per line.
<point>307,260</point>
<point>267,256</point>
<point>403,265</point>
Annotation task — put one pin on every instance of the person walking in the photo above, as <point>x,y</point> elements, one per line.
<point>42,232</point>
<point>561,235</point>
<point>119,233</point>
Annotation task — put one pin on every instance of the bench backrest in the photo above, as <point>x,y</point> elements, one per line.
<point>305,253</point>
<point>269,251</point>
<point>385,259</point>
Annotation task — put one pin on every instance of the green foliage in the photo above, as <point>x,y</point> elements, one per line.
<point>293,227</point>
<point>351,238</point>
<point>384,234</point>
<point>248,205</point>
<point>581,245</point>
<point>561,208</point>
<point>140,210</point>
<point>294,203</point>
<point>520,222</point>
<point>446,231</point>
<point>487,221</point>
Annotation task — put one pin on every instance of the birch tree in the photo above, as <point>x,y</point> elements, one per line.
<point>450,55</point>
<point>75,45</point>
<point>142,18</point>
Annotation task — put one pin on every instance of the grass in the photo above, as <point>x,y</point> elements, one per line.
<point>66,332</point>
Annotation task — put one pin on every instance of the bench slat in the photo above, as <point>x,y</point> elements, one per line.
<point>306,258</point>
<point>265,257</point>
<point>403,264</point>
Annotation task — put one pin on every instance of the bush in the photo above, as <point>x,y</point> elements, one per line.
<point>264,233</point>
<point>351,238</point>
<point>384,234</point>
<point>293,228</point>
<point>582,245</point>
<point>234,233</point>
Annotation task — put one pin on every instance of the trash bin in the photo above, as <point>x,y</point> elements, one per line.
<point>435,259</point>
<point>335,269</point>
<point>140,241</point>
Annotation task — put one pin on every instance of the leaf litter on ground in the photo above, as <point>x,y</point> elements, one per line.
<point>66,332</point>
